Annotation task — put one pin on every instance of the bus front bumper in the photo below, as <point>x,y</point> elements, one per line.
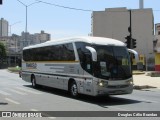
<point>115,87</point>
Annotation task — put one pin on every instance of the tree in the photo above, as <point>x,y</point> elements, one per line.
<point>2,52</point>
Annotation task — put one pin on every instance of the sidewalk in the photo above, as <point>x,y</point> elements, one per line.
<point>142,81</point>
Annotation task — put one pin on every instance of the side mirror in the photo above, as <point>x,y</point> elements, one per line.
<point>135,54</point>
<point>93,52</point>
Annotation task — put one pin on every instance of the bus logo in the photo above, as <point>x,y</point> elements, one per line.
<point>31,65</point>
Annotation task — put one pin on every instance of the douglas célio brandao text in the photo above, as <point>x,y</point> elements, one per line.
<point>137,114</point>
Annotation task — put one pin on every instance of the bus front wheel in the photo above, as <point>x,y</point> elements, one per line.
<point>73,89</point>
<point>33,80</point>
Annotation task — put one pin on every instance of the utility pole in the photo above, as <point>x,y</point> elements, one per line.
<point>129,37</point>
<point>130,28</point>
<point>26,7</point>
<point>131,42</point>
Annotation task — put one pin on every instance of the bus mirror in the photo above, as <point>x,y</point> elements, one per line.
<point>93,52</point>
<point>135,54</point>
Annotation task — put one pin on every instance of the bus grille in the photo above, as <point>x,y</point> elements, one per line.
<point>117,86</point>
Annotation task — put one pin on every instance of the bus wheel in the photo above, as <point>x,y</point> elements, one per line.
<point>73,89</point>
<point>33,80</point>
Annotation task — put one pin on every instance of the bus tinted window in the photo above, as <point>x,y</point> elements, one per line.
<point>84,56</point>
<point>62,52</point>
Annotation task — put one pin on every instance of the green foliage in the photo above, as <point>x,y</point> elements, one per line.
<point>14,69</point>
<point>2,50</point>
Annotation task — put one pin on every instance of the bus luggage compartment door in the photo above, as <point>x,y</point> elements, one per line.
<point>88,86</point>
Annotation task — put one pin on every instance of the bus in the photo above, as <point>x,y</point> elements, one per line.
<point>93,66</point>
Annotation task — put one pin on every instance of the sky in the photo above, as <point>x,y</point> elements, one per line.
<point>63,22</point>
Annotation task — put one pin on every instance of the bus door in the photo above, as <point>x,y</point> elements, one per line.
<point>88,81</point>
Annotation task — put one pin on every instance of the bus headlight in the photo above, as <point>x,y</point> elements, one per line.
<point>130,82</point>
<point>102,83</point>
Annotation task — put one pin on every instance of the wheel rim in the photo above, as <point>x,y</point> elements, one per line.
<point>33,82</point>
<point>74,90</point>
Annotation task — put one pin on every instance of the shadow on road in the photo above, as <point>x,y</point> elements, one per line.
<point>102,101</point>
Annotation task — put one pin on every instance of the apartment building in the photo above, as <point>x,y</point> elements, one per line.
<point>3,27</point>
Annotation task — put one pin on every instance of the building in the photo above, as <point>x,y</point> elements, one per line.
<point>12,49</point>
<point>114,23</point>
<point>41,37</point>
<point>32,39</point>
<point>3,27</point>
<point>15,43</point>
<point>157,47</point>
<point>26,39</point>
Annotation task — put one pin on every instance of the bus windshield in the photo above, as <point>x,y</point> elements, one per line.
<point>113,62</point>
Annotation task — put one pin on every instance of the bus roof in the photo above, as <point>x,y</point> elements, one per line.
<point>88,39</point>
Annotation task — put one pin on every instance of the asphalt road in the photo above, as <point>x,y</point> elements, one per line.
<point>18,95</point>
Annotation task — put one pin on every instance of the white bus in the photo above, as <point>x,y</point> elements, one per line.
<point>82,65</point>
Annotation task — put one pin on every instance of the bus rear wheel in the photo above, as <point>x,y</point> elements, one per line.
<point>73,89</point>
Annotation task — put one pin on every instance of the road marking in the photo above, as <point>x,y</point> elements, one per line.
<point>18,92</point>
<point>51,117</point>
<point>4,93</point>
<point>10,100</point>
<point>26,90</point>
<point>35,110</point>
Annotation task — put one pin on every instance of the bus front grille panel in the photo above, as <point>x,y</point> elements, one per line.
<point>117,86</point>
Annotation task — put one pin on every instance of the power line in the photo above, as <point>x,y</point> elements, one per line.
<point>56,5</point>
<point>85,10</point>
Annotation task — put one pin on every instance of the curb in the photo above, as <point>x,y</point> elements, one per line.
<point>153,74</point>
<point>138,73</point>
<point>13,71</point>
